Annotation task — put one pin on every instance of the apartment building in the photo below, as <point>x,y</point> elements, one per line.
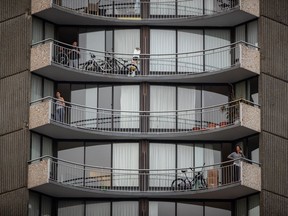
<point>132,107</point>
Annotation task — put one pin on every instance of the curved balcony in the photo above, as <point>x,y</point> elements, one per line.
<point>229,121</point>
<point>226,64</point>
<point>140,12</point>
<point>60,178</point>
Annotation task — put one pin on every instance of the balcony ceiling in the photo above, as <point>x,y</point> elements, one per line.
<point>62,16</point>
<point>59,131</point>
<point>226,192</point>
<point>60,73</point>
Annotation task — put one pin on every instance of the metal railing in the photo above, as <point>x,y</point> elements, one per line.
<point>120,64</point>
<point>144,180</point>
<point>144,122</point>
<point>145,10</point>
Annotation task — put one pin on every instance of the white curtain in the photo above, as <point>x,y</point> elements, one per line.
<point>153,208</point>
<point>34,204</point>
<point>162,42</point>
<point>252,30</point>
<point>209,154</point>
<point>129,101</point>
<point>125,208</point>
<point>240,35</point>
<point>186,101</point>
<point>75,4</point>
<point>47,146</point>
<point>48,88</point>
<point>162,98</point>
<point>162,156</point>
<point>97,209</point>
<point>162,7</point>
<point>46,206</point>
<point>125,156</point>
<point>190,7</point>
<point>35,146</point>
<point>125,41</point>
<point>220,58</point>
<point>190,41</point>
<point>36,88</point>
<point>91,101</point>
<point>70,208</point>
<point>185,158</point>
<point>37,30</point>
<point>199,156</point>
<point>78,115</point>
<point>93,41</point>
<point>240,90</point>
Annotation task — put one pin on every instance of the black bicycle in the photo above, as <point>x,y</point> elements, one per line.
<point>186,183</point>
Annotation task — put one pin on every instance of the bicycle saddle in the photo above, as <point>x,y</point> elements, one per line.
<point>184,170</point>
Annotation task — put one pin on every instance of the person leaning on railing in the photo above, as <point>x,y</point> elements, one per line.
<point>236,155</point>
<point>74,55</point>
<point>59,108</point>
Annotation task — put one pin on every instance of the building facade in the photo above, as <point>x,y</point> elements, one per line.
<point>133,107</point>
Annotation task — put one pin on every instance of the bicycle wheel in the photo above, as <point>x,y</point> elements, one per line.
<point>106,67</point>
<point>91,66</point>
<point>178,184</point>
<point>131,70</point>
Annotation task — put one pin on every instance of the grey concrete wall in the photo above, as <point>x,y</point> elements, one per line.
<point>273,42</point>
<point>15,29</point>
<point>15,45</point>
<point>13,160</point>
<point>13,203</point>
<point>275,10</point>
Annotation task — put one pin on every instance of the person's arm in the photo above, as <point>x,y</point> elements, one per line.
<point>230,156</point>
<point>62,101</point>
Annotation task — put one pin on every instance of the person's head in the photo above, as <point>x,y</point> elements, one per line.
<point>238,149</point>
<point>58,94</point>
<point>74,43</point>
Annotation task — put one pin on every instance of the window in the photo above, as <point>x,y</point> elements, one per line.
<point>125,156</point>
<point>39,205</point>
<point>218,209</point>
<point>162,99</point>
<point>185,209</point>
<point>40,146</point>
<point>162,41</point>
<point>41,87</point>
<point>190,41</point>
<point>70,208</point>
<point>161,209</point>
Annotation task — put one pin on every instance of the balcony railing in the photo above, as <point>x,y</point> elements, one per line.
<point>148,65</point>
<point>241,171</point>
<point>142,122</point>
<point>138,9</point>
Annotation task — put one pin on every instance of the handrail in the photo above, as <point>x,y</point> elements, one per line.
<point>146,54</point>
<point>147,112</point>
<point>144,170</point>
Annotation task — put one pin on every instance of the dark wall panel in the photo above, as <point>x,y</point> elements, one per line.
<point>14,106</point>
<point>274,161</point>
<point>14,203</point>
<point>274,105</point>
<point>13,159</point>
<point>273,205</point>
<point>273,45</point>
<point>13,8</point>
<point>15,45</point>
<point>276,10</point>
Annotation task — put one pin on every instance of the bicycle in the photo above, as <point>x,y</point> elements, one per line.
<point>92,64</point>
<point>119,66</point>
<point>198,181</point>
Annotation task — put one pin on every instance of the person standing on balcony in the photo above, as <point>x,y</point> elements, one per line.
<point>236,155</point>
<point>74,55</point>
<point>59,106</point>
